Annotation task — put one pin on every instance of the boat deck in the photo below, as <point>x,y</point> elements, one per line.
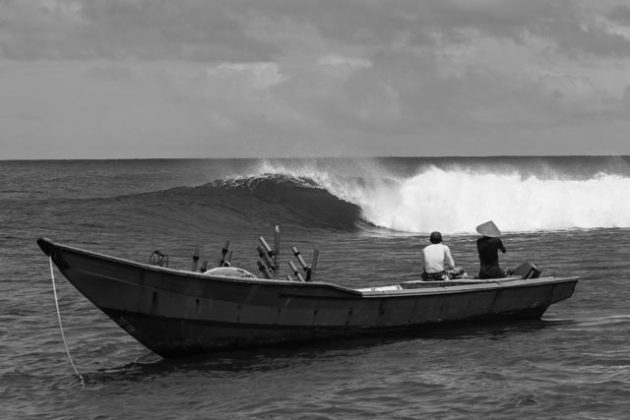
<point>430,287</point>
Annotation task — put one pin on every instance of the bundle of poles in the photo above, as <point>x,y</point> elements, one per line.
<point>268,262</point>
<point>269,266</point>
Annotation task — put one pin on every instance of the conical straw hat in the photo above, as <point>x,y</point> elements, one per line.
<point>489,229</point>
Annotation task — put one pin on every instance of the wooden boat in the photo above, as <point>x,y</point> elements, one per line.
<point>177,313</point>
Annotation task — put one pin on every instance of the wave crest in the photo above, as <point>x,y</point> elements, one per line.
<point>457,199</point>
<point>453,199</point>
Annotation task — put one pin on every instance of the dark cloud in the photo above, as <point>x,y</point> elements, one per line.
<point>213,31</point>
<point>357,22</point>
<point>117,29</point>
<point>568,26</point>
<point>574,37</point>
<point>512,20</point>
<point>620,14</point>
<point>310,71</point>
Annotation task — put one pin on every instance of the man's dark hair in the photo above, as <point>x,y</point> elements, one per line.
<point>435,238</point>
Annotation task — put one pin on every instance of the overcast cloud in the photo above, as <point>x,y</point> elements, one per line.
<point>140,78</point>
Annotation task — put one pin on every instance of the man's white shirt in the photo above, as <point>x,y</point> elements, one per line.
<point>434,257</point>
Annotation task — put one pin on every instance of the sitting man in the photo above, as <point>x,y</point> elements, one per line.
<point>435,256</point>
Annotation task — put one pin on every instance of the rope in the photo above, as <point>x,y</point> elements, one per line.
<point>52,276</point>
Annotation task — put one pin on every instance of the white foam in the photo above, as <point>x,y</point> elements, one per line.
<point>457,200</point>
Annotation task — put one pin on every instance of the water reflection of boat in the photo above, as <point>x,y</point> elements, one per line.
<point>178,313</point>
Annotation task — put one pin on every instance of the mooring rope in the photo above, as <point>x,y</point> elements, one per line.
<point>63,336</point>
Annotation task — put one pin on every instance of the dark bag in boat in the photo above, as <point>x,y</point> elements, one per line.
<point>527,270</point>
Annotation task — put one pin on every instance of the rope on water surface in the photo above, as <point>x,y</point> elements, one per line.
<point>63,336</point>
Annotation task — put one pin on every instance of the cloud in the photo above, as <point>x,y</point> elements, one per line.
<point>189,30</point>
<point>221,30</point>
<point>271,75</point>
<point>576,36</point>
<point>342,67</point>
<point>257,75</point>
<point>573,28</point>
<point>620,14</point>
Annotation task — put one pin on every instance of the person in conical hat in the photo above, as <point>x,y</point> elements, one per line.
<point>489,229</point>
<point>488,247</point>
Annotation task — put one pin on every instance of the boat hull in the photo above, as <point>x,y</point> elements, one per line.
<point>177,313</point>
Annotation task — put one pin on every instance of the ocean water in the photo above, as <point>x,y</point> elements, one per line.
<point>370,219</point>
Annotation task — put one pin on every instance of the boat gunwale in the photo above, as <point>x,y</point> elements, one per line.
<point>438,288</point>
<point>187,273</point>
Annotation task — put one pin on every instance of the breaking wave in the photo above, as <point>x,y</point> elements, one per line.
<point>405,195</point>
<point>457,198</point>
<point>266,199</point>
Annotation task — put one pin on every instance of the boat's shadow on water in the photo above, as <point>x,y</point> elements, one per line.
<point>289,355</point>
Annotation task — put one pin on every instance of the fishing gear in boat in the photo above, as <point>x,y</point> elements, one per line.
<point>263,268</point>
<point>270,254</point>
<point>268,263</point>
<point>225,256</point>
<point>195,259</point>
<point>276,249</point>
<point>158,258</point>
<point>295,271</point>
<point>264,264</point>
<point>314,263</point>
<point>309,270</point>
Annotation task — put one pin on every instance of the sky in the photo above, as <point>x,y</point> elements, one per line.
<point>303,78</point>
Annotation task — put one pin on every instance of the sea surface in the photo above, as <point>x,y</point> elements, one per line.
<point>369,218</point>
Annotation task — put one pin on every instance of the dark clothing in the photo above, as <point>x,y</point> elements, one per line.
<point>442,275</point>
<point>488,249</point>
